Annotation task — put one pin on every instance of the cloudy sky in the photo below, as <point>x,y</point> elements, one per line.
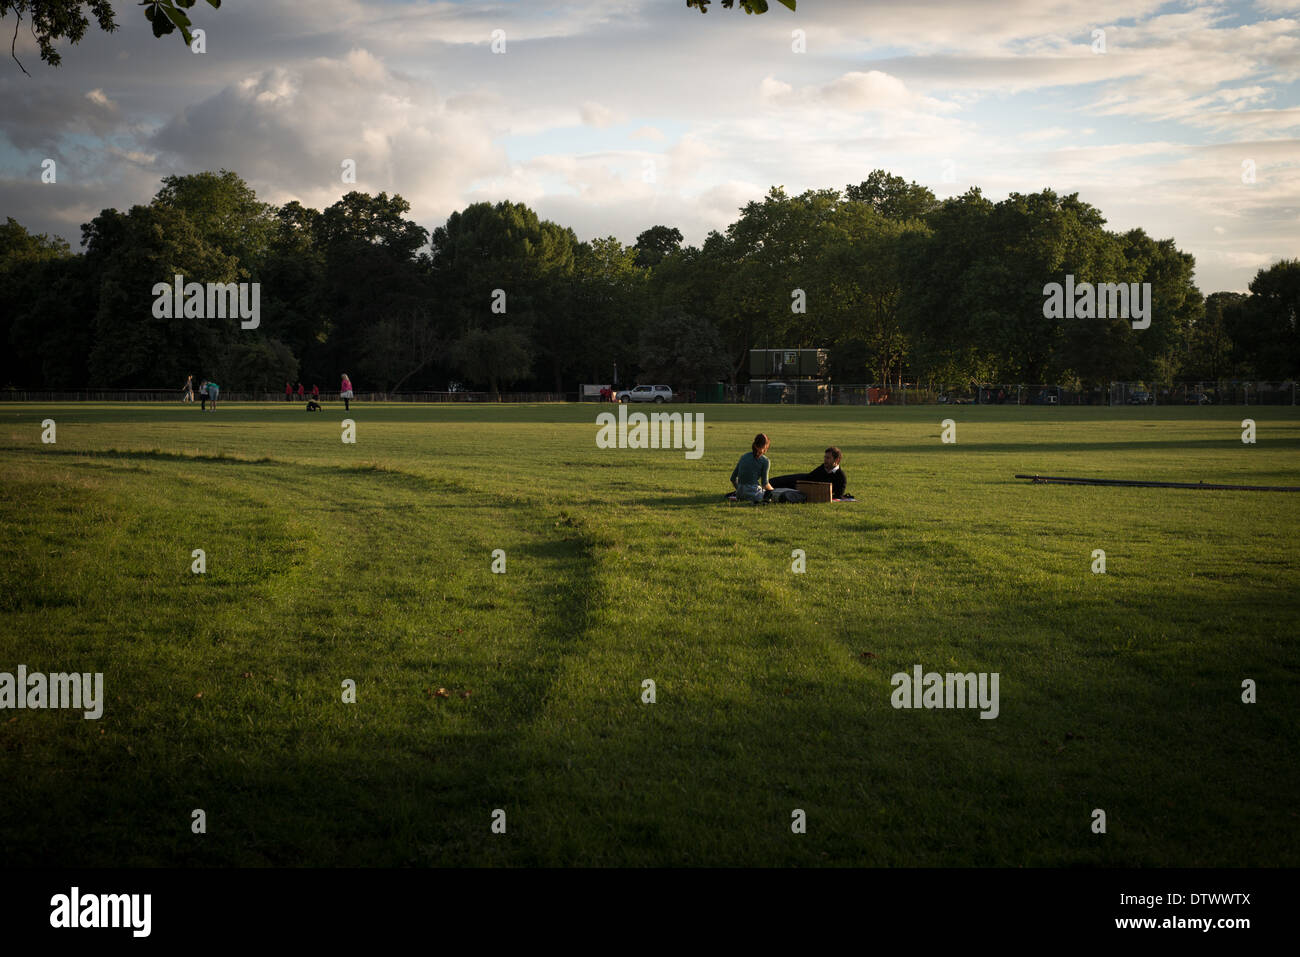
<point>610,116</point>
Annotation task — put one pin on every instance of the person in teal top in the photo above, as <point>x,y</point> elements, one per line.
<point>213,389</point>
<point>750,474</point>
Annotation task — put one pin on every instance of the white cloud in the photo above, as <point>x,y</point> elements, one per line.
<point>854,92</point>
<point>1248,260</point>
<point>594,114</point>
<point>99,98</point>
<point>288,129</point>
<point>1050,133</point>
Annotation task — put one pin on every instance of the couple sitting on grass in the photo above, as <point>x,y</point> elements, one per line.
<point>752,485</point>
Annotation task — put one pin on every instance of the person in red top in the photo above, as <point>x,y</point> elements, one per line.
<point>288,392</point>
<point>300,390</point>
<point>315,392</point>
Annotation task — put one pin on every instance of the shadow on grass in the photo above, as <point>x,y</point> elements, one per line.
<point>1157,734</point>
<point>711,780</point>
<point>403,796</point>
<point>150,455</point>
<point>1073,444</point>
<point>670,500</point>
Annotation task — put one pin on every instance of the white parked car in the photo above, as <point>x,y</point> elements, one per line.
<point>647,393</point>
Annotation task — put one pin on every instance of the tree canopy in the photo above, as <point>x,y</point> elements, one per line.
<point>53,20</point>
<point>896,284</point>
<point>749,6</point>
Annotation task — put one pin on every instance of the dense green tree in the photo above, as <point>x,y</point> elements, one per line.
<point>498,266</point>
<point>1210,346</point>
<point>1156,354</point>
<point>604,306</point>
<point>770,256</point>
<point>688,279</point>
<point>18,246</point>
<point>892,284</point>
<point>225,211</point>
<point>859,292</point>
<point>497,357</point>
<point>45,310</point>
<point>359,220</point>
<point>295,290</point>
<point>974,286</point>
<point>374,284</point>
<point>1267,331</point>
<point>935,300</point>
<point>128,253</point>
<point>655,243</point>
<point>682,351</point>
<point>400,347</point>
<point>506,246</point>
<point>256,365</point>
<point>892,196</point>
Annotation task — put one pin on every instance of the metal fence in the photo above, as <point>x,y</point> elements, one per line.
<point>791,393</point>
<point>912,393</point>
<point>1226,392</point>
<point>173,396</point>
<point>1020,393</point>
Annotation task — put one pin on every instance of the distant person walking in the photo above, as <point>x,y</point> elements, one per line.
<point>300,391</point>
<point>203,396</point>
<point>315,392</point>
<point>288,392</point>
<point>345,392</point>
<point>187,394</point>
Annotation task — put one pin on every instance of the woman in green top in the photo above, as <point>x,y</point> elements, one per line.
<point>750,474</point>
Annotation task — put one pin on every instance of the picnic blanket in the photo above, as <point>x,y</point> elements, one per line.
<point>731,497</point>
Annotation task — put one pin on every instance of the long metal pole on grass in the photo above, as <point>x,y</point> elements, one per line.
<point>1046,479</point>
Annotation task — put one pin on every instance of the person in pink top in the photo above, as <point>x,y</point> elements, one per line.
<point>345,391</point>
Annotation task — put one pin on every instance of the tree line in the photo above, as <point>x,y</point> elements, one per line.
<point>895,283</point>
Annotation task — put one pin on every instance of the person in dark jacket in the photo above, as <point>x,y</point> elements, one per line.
<point>828,471</point>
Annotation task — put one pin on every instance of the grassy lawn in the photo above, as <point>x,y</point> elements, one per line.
<point>372,562</point>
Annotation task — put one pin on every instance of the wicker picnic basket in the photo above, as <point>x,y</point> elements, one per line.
<point>816,491</point>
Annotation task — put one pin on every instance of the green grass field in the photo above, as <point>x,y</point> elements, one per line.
<point>372,562</point>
